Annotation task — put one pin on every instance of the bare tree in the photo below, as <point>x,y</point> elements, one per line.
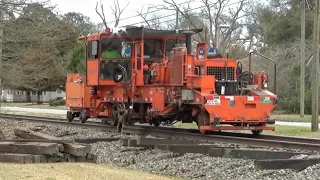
<point>184,12</point>
<point>116,11</point>
<point>102,15</point>
<point>210,17</point>
<point>153,19</point>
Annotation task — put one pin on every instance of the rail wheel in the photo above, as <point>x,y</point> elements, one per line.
<point>156,123</point>
<point>142,110</point>
<point>127,121</point>
<point>203,120</point>
<point>83,117</point>
<point>114,118</point>
<point>256,132</point>
<point>70,116</point>
<point>104,120</point>
<point>120,122</point>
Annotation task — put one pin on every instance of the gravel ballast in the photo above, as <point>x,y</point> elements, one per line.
<point>190,166</point>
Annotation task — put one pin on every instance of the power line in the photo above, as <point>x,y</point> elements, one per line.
<point>144,13</point>
<point>161,17</point>
<point>173,19</point>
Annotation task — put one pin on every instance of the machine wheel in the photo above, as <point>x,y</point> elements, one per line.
<point>256,132</point>
<point>143,110</point>
<point>156,123</point>
<point>203,120</point>
<point>114,118</point>
<point>70,116</point>
<point>120,116</point>
<point>127,118</point>
<point>104,120</point>
<point>83,117</point>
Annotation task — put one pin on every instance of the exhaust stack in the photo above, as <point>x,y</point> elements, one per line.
<point>188,34</point>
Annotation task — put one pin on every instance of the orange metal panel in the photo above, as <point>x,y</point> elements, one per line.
<point>204,82</point>
<point>215,128</point>
<point>158,98</point>
<point>77,93</point>
<point>92,72</point>
<point>177,69</point>
<point>239,109</point>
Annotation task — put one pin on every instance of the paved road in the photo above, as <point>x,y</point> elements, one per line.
<point>63,112</point>
<point>299,124</point>
<point>35,110</point>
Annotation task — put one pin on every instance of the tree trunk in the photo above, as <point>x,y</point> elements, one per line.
<point>28,97</point>
<point>38,98</point>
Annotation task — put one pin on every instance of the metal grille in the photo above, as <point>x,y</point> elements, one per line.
<point>221,72</point>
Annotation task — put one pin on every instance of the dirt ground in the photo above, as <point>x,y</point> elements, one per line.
<point>72,171</point>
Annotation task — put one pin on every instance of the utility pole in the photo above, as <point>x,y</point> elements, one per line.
<point>1,47</point>
<point>302,71</point>
<point>315,69</point>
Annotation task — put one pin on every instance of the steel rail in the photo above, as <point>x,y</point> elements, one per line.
<point>224,139</point>
<point>248,135</point>
<point>309,144</point>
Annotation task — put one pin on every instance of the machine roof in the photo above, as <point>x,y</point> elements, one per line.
<point>135,31</point>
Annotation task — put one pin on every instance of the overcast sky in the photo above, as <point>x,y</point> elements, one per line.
<point>87,7</point>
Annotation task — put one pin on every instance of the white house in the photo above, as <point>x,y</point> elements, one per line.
<point>21,96</point>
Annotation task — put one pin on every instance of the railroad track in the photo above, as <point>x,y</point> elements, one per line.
<point>307,144</point>
<point>51,120</point>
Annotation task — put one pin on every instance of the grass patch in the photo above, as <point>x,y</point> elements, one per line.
<point>74,171</point>
<point>293,131</point>
<point>30,105</point>
<point>186,125</point>
<point>33,114</point>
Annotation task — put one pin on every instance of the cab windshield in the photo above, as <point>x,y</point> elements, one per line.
<point>114,51</point>
<point>115,48</point>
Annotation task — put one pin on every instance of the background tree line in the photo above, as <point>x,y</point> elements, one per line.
<point>40,46</point>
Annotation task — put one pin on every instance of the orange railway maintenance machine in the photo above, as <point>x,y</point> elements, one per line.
<point>156,79</point>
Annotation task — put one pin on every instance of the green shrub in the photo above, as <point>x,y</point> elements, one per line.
<point>291,102</point>
<point>57,102</point>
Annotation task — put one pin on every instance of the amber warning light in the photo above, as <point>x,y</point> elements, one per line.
<point>265,80</point>
<point>108,30</point>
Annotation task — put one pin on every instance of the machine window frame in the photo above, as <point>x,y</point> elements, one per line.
<point>109,72</point>
<point>124,39</point>
<point>106,74</point>
<point>89,50</point>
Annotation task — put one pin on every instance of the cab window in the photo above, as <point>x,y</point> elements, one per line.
<point>92,50</point>
<point>115,48</point>
<point>152,48</point>
<point>173,43</point>
<point>114,51</point>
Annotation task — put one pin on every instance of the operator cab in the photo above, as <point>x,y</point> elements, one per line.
<point>107,50</point>
<point>116,49</point>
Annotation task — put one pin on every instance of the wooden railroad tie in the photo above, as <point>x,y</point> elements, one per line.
<point>35,147</point>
